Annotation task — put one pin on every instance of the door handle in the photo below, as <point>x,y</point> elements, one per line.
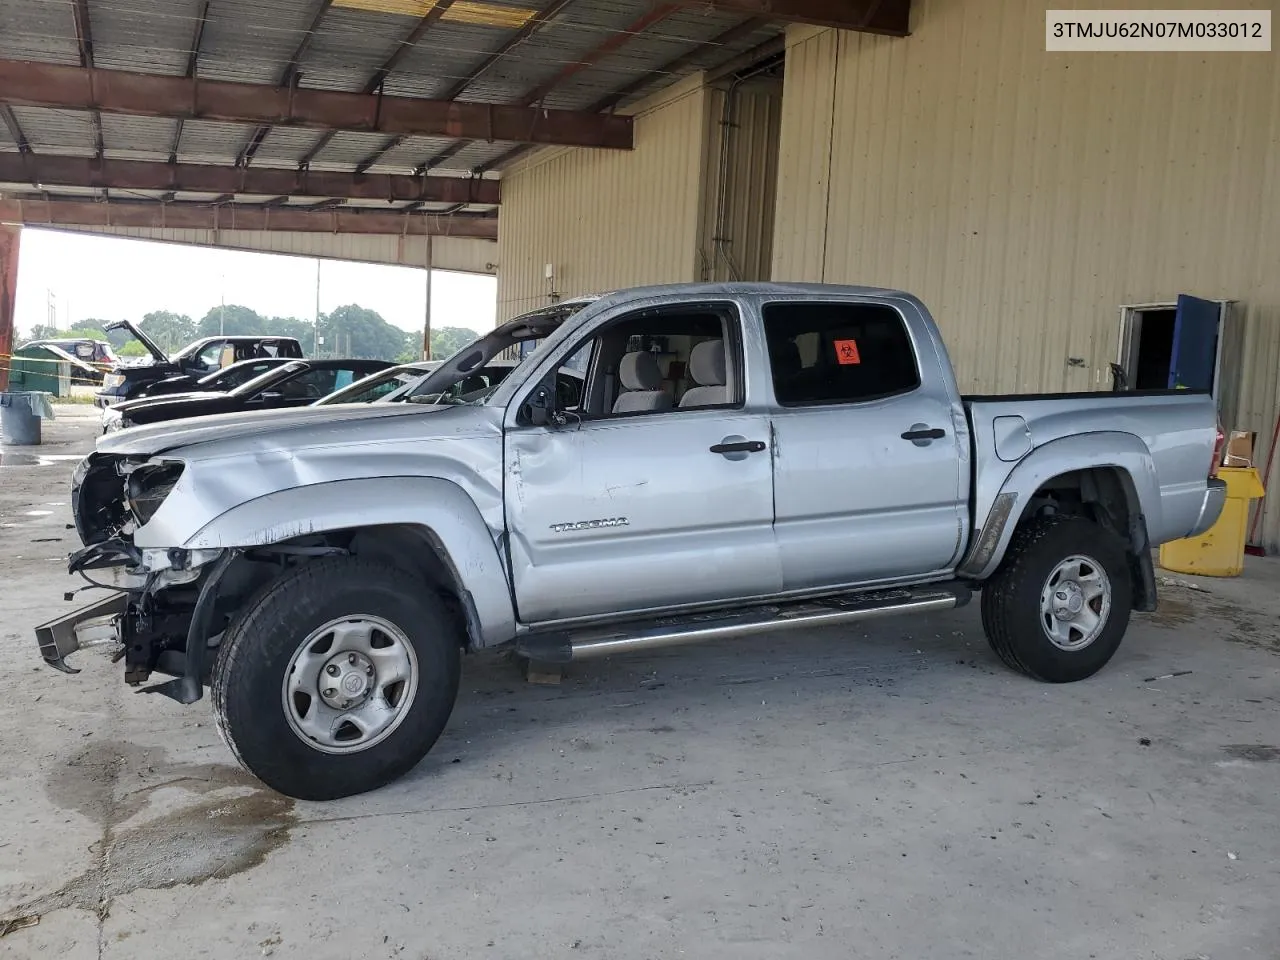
<point>921,434</point>
<point>738,446</point>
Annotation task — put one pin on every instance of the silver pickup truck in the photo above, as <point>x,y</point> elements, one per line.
<point>721,460</point>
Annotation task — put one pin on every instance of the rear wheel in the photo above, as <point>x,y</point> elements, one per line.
<point>337,678</point>
<point>1058,606</point>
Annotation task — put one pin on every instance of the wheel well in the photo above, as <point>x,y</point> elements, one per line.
<point>1107,496</point>
<point>406,546</point>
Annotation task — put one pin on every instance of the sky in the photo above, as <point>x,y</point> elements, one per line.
<point>110,278</point>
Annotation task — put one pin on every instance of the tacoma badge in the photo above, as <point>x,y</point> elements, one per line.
<point>589,524</point>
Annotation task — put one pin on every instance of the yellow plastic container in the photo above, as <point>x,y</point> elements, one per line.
<point>1219,551</point>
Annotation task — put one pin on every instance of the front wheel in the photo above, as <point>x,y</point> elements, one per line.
<point>337,678</point>
<point>1058,606</point>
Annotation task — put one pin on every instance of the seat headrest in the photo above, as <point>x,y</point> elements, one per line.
<point>785,356</point>
<point>639,370</point>
<point>706,363</point>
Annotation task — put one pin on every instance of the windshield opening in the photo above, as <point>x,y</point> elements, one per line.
<point>474,373</point>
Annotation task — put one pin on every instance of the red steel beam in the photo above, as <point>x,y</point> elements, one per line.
<point>232,216</point>
<point>10,237</point>
<point>865,16</point>
<point>116,91</point>
<point>48,170</point>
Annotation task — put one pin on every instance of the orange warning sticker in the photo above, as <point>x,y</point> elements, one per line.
<point>847,352</point>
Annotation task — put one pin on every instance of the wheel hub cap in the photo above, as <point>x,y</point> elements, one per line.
<point>1075,603</point>
<point>1068,600</point>
<point>346,680</point>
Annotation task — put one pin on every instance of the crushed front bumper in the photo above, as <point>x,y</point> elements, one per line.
<point>90,626</point>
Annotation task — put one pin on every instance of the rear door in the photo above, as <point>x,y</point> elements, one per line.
<point>869,483</point>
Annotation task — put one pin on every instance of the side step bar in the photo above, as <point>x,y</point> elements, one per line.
<point>564,646</point>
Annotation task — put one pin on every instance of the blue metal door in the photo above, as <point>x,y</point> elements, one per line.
<point>1195,344</point>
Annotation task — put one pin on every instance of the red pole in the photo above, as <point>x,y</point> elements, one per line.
<point>10,235</point>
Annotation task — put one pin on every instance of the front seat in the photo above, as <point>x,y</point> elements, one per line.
<point>641,378</point>
<point>706,368</point>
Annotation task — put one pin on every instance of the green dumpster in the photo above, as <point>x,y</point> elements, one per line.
<point>37,370</point>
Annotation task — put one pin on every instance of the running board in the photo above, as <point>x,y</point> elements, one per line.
<point>588,642</point>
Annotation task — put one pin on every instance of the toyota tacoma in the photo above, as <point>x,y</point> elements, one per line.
<point>739,458</point>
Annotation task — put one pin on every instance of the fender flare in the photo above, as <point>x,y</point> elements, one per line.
<point>1124,452</point>
<point>441,508</point>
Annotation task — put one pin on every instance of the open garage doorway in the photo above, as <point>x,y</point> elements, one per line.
<point>1184,344</point>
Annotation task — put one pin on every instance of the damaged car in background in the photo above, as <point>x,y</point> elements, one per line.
<point>735,458</point>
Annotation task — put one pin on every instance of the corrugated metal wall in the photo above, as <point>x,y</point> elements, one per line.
<point>750,172</point>
<point>463,254</point>
<point>606,219</point>
<point>1026,196</point>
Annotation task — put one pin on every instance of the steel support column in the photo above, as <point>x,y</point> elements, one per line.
<point>10,237</point>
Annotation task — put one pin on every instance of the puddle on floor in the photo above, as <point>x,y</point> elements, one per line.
<point>12,458</point>
<point>233,825</point>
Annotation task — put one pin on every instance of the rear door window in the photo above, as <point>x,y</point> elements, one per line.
<point>311,385</point>
<point>827,353</point>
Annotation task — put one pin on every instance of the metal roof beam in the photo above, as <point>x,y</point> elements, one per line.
<point>611,43</point>
<point>535,23</point>
<point>611,100</point>
<point>10,120</point>
<point>84,40</point>
<point>193,61</point>
<point>233,216</point>
<point>865,16</point>
<point>380,75</point>
<point>148,95</point>
<point>202,178</point>
<point>288,78</point>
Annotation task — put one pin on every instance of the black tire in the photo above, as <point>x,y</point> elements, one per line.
<point>258,646</point>
<point>1011,599</point>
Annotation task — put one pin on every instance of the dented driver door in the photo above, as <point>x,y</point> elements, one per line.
<point>639,512</point>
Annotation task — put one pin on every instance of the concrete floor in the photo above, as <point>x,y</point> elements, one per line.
<point>892,792</point>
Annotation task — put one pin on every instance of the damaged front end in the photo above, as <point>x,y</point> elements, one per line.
<point>164,605</point>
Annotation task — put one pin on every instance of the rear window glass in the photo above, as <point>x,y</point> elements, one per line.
<point>838,352</point>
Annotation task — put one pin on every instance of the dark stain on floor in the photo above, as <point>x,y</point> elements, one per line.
<point>214,838</point>
<point>1173,612</point>
<point>1254,752</point>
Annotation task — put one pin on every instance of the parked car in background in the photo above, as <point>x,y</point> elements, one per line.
<point>389,384</point>
<point>228,378</point>
<point>195,360</point>
<point>409,382</point>
<point>294,384</point>
<point>744,457</point>
<point>89,359</point>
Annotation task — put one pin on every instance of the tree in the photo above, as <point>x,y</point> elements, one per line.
<point>233,320</point>
<point>171,331</point>
<point>355,331</point>
<point>43,331</point>
<point>446,341</point>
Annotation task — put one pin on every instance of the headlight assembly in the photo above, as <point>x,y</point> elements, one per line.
<point>148,486</point>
